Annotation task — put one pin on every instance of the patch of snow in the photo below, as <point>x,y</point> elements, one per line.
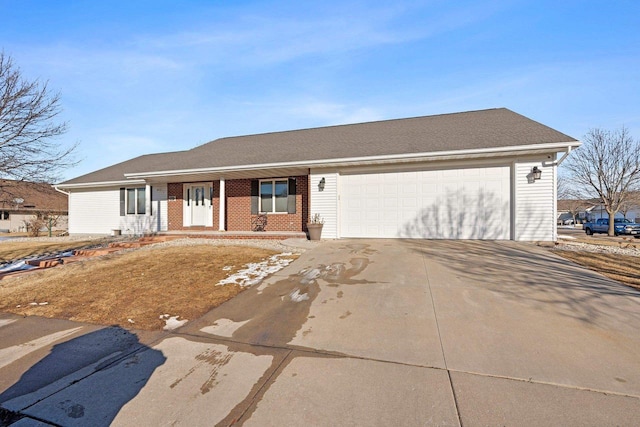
<point>564,236</point>
<point>172,322</point>
<point>16,266</point>
<point>227,267</point>
<point>256,272</point>
<point>309,275</point>
<point>43,303</point>
<point>223,327</point>
<point>296,296</point>
<point>130,321</point>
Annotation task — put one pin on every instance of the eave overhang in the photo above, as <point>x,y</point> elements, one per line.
<point>369,160</point>
<point>230,172</point>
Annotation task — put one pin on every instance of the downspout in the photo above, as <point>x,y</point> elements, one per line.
<point>564,156</point>
<point>68,195</point>
<point>556,163</point>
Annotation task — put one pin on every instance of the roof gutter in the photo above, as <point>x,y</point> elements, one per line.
<point>60,191</point>
<point>100,184</point>
<point>483,152</point>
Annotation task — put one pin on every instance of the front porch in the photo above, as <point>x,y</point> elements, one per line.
<point>241,207</point>
<point>234,235</point>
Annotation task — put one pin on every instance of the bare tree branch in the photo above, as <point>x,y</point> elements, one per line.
<point>573,199</point>
<point>28,126</point>
<point>607,166</point>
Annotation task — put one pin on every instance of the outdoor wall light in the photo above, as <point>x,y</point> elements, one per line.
<point>537,173</point>
<point>321,184</point>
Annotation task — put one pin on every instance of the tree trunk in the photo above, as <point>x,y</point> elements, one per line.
<point>612,221</point>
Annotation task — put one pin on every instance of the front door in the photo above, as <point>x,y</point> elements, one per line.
<point>199,207</point>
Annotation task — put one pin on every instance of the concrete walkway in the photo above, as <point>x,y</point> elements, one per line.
<point>356,332</point>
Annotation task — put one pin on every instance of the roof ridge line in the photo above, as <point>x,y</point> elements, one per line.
<point>352,124</point>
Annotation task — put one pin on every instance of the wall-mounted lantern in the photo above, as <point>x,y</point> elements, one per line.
<point>536,173</point>
<point>321,184</point>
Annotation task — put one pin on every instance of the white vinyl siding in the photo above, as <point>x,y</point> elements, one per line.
<point>535,202</point>
<point>159,207</point>
<point>325,202</point>
<point>98,212</point>
<point>447,203</point>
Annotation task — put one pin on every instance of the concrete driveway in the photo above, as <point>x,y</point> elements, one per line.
<point>356,332</point>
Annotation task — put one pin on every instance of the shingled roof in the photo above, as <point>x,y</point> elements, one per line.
<point>474,130</point>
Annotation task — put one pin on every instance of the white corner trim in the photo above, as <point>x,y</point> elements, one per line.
<point>222,201</point>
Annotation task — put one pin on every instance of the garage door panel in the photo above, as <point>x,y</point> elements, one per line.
<point>469,203</point>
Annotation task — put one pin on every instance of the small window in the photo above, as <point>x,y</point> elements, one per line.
<point>136,201</point>
<point>273,196</point>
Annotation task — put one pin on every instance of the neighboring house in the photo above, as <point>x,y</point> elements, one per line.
<point>21,202</point>
<point>573,210</point>
<point>593,209</point>
<point>598,211</point>
<point>454,176</point>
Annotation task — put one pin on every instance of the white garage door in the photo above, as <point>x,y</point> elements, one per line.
<point>472,203</point>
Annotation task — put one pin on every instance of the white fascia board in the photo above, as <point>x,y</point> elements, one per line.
<point>101,184</point>
<point>481,152</point>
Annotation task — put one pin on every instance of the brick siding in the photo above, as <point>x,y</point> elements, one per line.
<point>174,207</point>
<point>238,207</point>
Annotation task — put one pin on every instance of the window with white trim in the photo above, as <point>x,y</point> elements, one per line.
<point>273,195</point>
<point>136,201</point>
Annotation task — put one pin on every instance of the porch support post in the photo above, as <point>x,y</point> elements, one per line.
<point>222,214</point>
<point>147,199</point>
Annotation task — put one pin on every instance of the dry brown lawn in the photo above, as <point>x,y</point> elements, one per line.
<point>140,285</point>
<point>623,268</point>
<point>16,250</point>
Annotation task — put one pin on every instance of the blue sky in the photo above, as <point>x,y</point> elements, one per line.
<point>140,77</point>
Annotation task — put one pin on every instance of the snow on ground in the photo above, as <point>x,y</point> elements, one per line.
<point>172,322</point>
<point>564,236</point>
<point>15,266</point>
<point>21,264</point>
<point>296,296</point>
<point>223,327</point>
<point>255,272</point>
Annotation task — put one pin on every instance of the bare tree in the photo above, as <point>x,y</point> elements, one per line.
<point>42,220</point>
<point>607,166</point>
<point>28,126</point>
